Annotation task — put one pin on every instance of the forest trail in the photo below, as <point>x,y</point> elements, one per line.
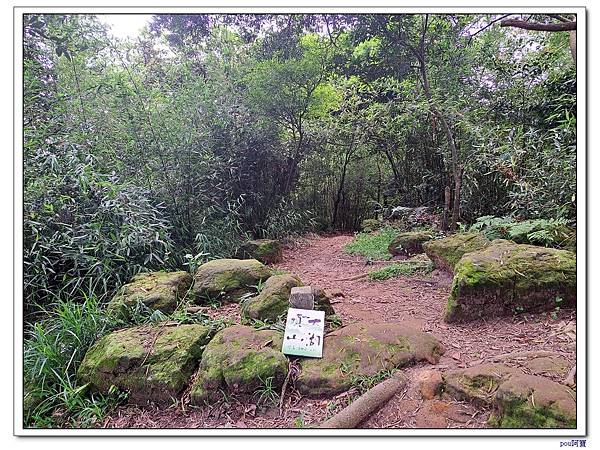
<point>321,261</point>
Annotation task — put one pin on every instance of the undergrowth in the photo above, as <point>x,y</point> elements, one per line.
<point>54,347</point>
<point>545,232</point>
<point>373,246</point>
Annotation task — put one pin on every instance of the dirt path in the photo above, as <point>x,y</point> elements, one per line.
<point>321,261</point>
<point>421,300</point>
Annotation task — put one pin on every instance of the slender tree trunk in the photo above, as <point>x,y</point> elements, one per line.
<point>455,162</point>
<point>446,208</point>
<point>340,190</point>
<point>456,205</point>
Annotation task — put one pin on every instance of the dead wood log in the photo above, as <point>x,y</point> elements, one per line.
<point>367,404</point>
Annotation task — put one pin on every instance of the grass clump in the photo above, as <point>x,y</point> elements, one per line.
<point>419,264</point>
<point>373,246</point>
<point>53,349</point>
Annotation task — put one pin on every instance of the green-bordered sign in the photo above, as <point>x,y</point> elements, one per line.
<point>304,333</point>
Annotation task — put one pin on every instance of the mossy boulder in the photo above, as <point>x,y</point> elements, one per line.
<point>446,252</point>
<point>239,360</point>
<point>506,278</point>
<point>409,243</point>
<point>369,225</point>
<point>152,363</point>
<point>518,400</point>
<point>267,251</point>
<point>363,350</point>
<point>273,300</point>
<point>156,290</point>
<point>528,401</point>
<point>228,278</point>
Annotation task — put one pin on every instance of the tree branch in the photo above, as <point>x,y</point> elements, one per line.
<point>563,26</point>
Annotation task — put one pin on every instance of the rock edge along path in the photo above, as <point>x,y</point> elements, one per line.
<point>321,260</point>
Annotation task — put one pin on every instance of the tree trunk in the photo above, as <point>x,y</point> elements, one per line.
<point>456,205</point>
<point>446,209</point>
<point>573,44</point>
<point>456,169</point>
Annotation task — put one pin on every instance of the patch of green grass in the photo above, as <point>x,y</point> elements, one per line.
<point>53,349</point>
<point>404,268</point>
<point>373,246</point>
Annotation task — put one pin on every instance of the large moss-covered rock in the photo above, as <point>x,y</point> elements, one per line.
<point>409,243</point>
<point>446,252</point>
<point>528,401</point>
<point>156,290</point>
<point>228,278</point>
<point>152,363</point>
<point>239,360</point>
<point>273,300</point>
<point>362,350</point>
<point>519,400</point>
<point>267,251</point>
<point>506,278</point>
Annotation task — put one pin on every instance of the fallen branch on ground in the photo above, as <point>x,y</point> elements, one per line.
<point>367,404</point>
<point>356,277</point>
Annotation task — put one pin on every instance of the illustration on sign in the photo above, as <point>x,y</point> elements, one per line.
<point>304,333</point>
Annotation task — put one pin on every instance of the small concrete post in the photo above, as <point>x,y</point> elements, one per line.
<point>302,297</point>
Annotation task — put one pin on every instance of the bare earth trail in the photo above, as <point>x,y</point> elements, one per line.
<point>321,261</point>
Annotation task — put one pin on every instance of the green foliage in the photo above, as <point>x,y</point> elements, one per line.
<point>84,229</point>
<point>266,393</point>
<point>372,246</point>
<point>54,347</point>
<point>404,268</point>
<point>544,232</point>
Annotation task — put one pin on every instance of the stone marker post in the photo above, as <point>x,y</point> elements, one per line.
<point>302,297</point>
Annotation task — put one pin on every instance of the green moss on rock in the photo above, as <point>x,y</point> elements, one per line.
<point>267,251</point>
<point>152,363</point>
<point>506,277</point>
<point>409,243</point>
<point>363,350</point>
<point>157,290</point>
<point>446,252</point>
<point>273,299</point>
<point>228,278</point>
<point>239,360</point>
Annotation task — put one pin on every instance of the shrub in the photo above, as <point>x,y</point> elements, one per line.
<point>85,230</point>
